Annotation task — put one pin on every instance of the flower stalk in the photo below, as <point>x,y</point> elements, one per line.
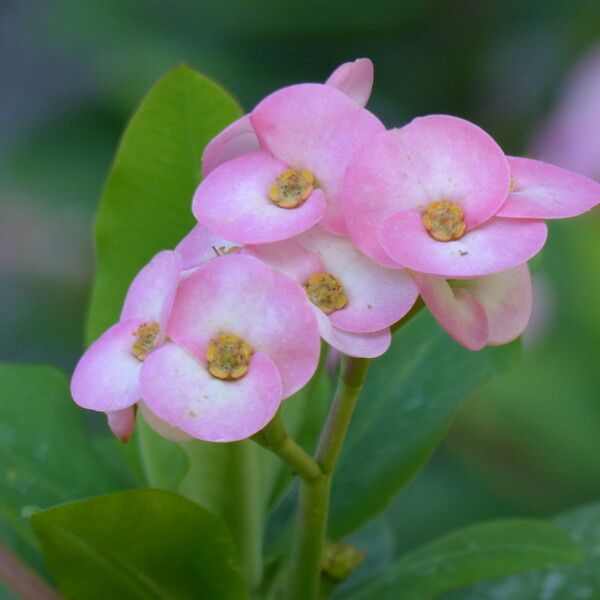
<point>311,524</point>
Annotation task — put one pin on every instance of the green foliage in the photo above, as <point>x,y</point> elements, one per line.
<point>411,395</point>
<point>478,552</point>
<point>562,583</point>
<point>146,203</point>
<point>142,544</point>
<point>47,455</point>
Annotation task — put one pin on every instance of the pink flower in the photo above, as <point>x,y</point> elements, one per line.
<point>427,197</point>
<point>291,178</point>
<point>243,339</point>
<point>200,246</point>
<point>490,310</point>
<point>107,375</point>
<point>354,299</point>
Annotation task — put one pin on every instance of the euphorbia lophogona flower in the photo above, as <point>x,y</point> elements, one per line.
<point>288,177</point>
<point>355,300</point>
<point>107,376</point>
<point>243,339</point>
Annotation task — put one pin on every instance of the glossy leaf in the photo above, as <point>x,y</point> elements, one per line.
<point>139,544</point>
<point>563,583</point>
<point>410,397</point>
<point>46,453</point>
<point>146,204</point>
<point>478,552</point>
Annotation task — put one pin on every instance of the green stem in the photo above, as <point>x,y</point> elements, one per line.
<point>311,525</point>
<point>275,438</point>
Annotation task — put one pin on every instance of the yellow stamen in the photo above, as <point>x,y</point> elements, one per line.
<point>444,220</point>
<point>292,188</point>
<point>513,185</point>
<point>326,291</point>
<point>146,337</point>
<point>228,357</point>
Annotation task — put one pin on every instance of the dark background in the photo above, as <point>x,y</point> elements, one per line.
<point>72,72</point>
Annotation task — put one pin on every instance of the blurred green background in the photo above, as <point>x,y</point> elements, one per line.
<point>72,73</point>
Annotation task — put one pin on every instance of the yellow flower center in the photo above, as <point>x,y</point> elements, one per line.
<point>326,291</point>
<point>444,220</point>
<point>146,337</point>
<point>228,357</point>
<point>292,188</point>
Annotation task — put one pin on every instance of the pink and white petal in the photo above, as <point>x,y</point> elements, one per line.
<point>199,246</point>
<point>363,345</point>
<point>377,296</point>
<point>241,295</point>
<point>495,246</point>
<point>315,127</point>
<point>507,300</point>
<point>106,377</point>
<point>437,157</point>
<point>162,427</point>
<point>122,422</point>
<point>288,257</point>
<point>151,294</point>
<point>456,310</point>
<point>233,202</point>
<point>235,140</point>
<point>181,391</point>
<point>544,191</point>
<point>355,79</point>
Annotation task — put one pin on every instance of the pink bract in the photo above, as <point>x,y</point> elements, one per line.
<point>393,178</point>
<point>544,191</point>
<point>201,245</point>
<point>233,202</point>
<point>106,377</point>
<point>236,295</point>
<point>354,79</point>
<point>377,296</point>
<point>490,310</point>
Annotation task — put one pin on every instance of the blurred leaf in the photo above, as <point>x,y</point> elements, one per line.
<point>478,552</point>
<point>562,583</point>
<point>140,544</point>
<point>46,453</point>
<point>411,395</point>
<point>146,205</point>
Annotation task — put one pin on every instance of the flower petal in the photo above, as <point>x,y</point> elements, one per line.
<point>199,246</point>
<point>364,345</point>
<point>507,300</point>
<point>456,310</point>
<point>355,79</point>
<point>151,294</point>
<point>122,422</point>
<point>544,191</point>
<point>288,257</point>
<point>233,202</point>
<point>106,377</point>
<point>437,157</point>
<point>239,294</point>
<point>316,127</point>
<point>162,427</point>
<point>497,245</point>
<point>377,296</point>
<point>235,140</point>
<point>180,390</point>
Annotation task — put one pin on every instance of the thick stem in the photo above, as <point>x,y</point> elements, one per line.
<point>20,578</point>
<point>311,525</point>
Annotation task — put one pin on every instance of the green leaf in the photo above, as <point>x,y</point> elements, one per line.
<point>562,583</point>
<point>139,544</point>
<point>478,552</point>
<point>411,395</point>
<point>46,453</point>
<point>146,205</point>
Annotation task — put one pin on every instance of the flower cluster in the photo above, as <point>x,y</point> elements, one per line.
<point>314,221</point>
